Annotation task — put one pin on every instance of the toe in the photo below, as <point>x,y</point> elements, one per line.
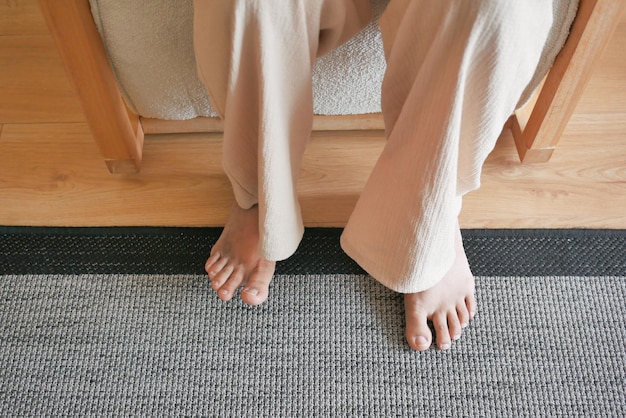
<point>214,269</point>
<point>418,333</point>
<point>454,325</point>
<point>470,302</point>
<point>463,314</point>
<point>256,290</point>
<point>218,280</point>
<point>228,289</point>
<point>442,333</point>
<point>215,255</point>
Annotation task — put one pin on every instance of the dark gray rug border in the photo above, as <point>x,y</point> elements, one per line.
<point>182,250</point>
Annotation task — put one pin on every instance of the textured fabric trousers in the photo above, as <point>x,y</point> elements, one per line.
<point>456,70</point>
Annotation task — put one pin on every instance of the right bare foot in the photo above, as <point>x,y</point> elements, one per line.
<point>450,305</point>
<point>235,259</point>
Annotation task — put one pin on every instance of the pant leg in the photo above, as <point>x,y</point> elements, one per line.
<point>455,71</point>
<point>255,59</point>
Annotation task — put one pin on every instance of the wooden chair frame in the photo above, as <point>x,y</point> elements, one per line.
<point>119,133</point>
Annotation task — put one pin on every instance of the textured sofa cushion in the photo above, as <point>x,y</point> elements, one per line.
<point>150,47</point>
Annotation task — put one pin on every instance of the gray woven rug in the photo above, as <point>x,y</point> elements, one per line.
<point>323,345</point>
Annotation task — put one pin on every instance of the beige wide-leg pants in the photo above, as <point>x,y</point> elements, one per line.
<point>456,70</point>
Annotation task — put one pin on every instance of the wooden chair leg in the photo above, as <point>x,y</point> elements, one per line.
<point>538,127</point>
<point>116,130</point>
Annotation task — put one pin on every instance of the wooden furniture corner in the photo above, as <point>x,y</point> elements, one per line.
<point>538,126</point>
<point>116,130</point>
<point>119,133</point>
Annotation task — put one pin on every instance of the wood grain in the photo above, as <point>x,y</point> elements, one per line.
<point>580,187</point>
<point>537,133</point>
<point>115,129</point>
<point>52,173</point>
<point>606,91</point>
<point>365,122</point>
<point>33,84</point>
<point>21,17</point>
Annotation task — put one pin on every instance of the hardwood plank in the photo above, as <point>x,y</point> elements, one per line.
<point>33,83</point>
<point>21,17</point>
<point>52,174</point>
<point>582,186</point>
<point>334,171</point>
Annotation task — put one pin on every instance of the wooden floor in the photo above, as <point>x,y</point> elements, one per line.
<point>51,172</point>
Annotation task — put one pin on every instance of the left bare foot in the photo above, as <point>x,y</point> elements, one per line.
<point>235,259</point>
<point>450,305</point>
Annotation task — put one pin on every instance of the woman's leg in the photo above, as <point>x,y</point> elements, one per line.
<point>456,71</point>
<point>255,58</point>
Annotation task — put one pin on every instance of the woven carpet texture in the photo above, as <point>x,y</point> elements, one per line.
<point>328,344</point>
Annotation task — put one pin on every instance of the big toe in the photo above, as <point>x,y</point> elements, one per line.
<point>256,289</point>
<point>418,333</point>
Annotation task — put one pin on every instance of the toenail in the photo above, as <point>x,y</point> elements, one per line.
<point>464,325</point>
<point>445,346</point>
<point>421,341</point>
<point>223,292</point>
<point>456,337</point>
<point>252,292</point>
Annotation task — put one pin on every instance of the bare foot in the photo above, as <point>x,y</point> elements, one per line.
<point>450,305</point>
<point>235,259</point>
